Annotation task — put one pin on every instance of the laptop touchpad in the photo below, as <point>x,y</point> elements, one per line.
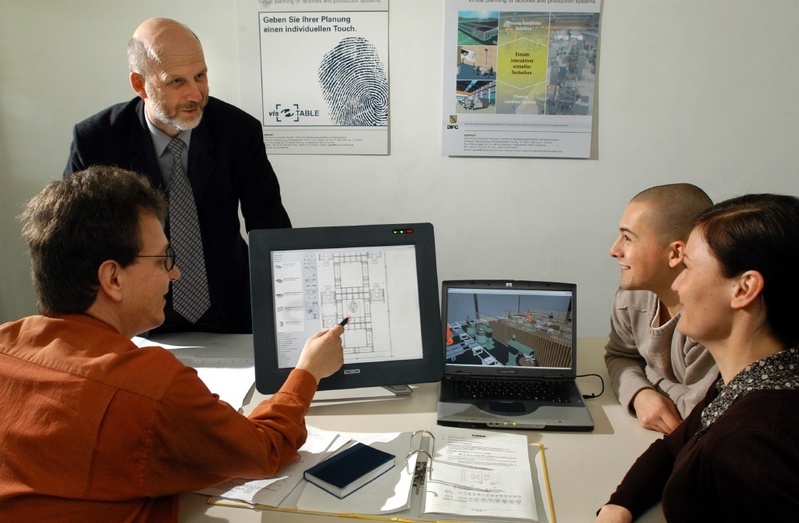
<point>507,407</point>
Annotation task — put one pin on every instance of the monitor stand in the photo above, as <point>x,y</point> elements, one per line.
<point>377,392</point>
<point>399,390</point>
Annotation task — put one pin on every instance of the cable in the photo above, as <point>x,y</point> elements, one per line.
<point>602,381</point>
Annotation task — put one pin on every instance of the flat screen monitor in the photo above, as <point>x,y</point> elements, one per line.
<point>383,277</point>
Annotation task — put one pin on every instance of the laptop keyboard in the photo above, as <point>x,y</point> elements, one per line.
<point>492,389</point>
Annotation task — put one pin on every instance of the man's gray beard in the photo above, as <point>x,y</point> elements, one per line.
<point>178,124</point>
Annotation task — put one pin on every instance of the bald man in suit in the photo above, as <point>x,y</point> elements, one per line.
<point>225,162</point>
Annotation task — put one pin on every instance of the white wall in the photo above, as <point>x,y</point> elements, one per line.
<point>700,91</point>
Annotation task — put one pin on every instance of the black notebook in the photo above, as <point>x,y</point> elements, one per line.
<point>345,472</point>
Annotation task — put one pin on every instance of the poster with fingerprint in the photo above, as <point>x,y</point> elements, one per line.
<point>315,73</point>
<point>519,77</point>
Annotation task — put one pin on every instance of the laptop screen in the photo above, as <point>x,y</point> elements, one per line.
<point>499,325</point>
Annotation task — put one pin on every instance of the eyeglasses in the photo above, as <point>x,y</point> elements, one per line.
<point>168,256</point>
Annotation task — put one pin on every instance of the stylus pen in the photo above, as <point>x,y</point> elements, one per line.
<point>344,321</point>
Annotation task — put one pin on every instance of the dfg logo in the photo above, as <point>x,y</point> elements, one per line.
<point>453,121</point>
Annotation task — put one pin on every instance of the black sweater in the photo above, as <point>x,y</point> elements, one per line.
<point>744,467</point>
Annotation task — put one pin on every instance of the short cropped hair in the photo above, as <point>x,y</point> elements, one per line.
<point>74,225</point>
<point>760,232</point>
<point>138,58</point>
<point>674,208</point>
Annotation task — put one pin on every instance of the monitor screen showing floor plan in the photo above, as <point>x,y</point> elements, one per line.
<point>374,286</point>
<point>381,277</point>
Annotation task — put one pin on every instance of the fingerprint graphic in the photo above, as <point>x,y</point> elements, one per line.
<point>354,84</point>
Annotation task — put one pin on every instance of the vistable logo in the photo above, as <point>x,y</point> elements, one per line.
<point>292,113</point>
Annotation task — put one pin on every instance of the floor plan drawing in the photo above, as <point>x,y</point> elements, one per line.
<point>355,284</point>
<point>377,287</point>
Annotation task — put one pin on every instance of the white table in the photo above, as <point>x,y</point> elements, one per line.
<point>584,468</point>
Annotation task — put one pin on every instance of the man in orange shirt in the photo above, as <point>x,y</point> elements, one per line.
<point>94,428</point>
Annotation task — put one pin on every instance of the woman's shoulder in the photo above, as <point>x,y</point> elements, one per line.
<point>759,416</point>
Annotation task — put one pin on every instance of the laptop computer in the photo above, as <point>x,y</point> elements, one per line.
<point>511,356</point>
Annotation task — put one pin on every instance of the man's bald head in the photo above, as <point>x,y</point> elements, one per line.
<point>154,38</point>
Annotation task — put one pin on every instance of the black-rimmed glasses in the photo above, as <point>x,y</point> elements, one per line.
<point>168,256</point>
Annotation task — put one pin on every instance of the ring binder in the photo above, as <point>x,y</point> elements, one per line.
<point>509,484</point>
<point>426,467</point>
<point>421,466</point>
<point>420,431</point>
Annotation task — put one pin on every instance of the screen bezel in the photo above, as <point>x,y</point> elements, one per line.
<point>429,368</point>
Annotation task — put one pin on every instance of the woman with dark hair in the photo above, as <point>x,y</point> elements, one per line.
<point>736,457</point>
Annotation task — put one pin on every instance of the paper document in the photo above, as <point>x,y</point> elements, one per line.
<point>480,474</point>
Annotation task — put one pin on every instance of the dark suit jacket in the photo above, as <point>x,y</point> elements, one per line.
<point>227,166</point>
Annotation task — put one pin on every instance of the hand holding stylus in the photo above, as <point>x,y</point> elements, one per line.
<point>322,354</point>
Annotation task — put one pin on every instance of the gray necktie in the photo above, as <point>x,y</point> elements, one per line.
<point>190,296</point>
